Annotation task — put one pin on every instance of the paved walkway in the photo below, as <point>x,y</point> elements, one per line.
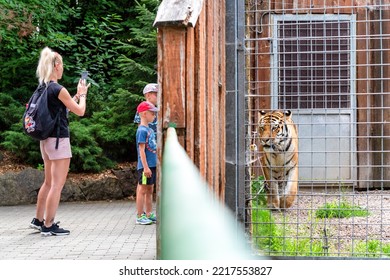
<point>98,231</point>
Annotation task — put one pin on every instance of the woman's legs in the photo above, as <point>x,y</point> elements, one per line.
<point>43,191</point>
<point>59,172</point>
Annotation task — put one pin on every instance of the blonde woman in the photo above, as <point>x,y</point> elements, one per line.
<point>56,159</point>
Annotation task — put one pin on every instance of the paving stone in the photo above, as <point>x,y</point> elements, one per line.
<point>98,230</point>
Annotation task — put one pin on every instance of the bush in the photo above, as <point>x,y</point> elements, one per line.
<point>114,40</point>
<point>86,153</point>
<point>22,146</point>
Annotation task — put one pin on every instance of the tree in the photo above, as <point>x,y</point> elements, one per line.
<point>114,40</point>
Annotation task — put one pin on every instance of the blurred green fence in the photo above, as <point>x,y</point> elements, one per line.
<point>193,223</point>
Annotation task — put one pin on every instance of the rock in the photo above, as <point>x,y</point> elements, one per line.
<point>23,187</point>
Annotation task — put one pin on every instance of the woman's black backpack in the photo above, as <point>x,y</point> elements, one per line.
<point>37,119</point>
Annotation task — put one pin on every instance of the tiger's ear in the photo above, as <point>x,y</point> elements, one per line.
<point>260,114</point>
<point>287,113</point>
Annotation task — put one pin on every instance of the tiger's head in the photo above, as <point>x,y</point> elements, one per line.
<point>272,126</point>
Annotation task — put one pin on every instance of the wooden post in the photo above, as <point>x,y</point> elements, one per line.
<point>364,101</point>
<point>191,75</point>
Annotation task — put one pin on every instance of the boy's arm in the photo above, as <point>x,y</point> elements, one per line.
<point>137,119</point>
<point>142,155</point>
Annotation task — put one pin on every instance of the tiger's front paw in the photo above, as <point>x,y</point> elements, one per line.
<point>273,203</point>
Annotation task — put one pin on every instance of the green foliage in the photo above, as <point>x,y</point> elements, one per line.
<point>22,146</point>
<point>259,195</point>
<point>370,249</point>
<point>340,209</point>
<point>10,112</point>
<point>137,62</point>
<point>86,154</point>
<point>114,40</point>
<point>280,237</point>
<point>114,125</point>
<point>41,167</point>
<point>274,238</point>
<point>274,235</point>
<point>25,28</point>
<point>386,250</point>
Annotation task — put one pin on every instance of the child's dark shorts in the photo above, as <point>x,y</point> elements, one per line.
<point>144,180</point>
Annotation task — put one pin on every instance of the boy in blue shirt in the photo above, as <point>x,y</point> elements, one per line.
<point>147,162</point>
<point>150,92</point>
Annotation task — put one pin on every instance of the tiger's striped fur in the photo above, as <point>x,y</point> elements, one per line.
<point>279,142</point>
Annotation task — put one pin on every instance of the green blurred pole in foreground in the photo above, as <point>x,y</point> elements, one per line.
<point>193,224</point>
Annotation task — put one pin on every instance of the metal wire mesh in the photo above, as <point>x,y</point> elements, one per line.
<point>329,63</point>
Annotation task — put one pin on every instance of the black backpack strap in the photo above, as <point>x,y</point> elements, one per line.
<point>58,120</point>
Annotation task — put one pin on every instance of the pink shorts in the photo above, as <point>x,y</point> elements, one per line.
<point>49,151</point>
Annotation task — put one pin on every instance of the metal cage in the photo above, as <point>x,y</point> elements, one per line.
<point>329,63</point>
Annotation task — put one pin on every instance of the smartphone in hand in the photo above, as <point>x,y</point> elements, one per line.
<point>84,75</point>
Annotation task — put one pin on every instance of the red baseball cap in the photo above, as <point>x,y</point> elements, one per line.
<point>146,106</point>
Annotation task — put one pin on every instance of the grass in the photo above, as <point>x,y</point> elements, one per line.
<point>370,249</point>
<point>277,238</point>
<point>341,209</point>
<point>274,240</point>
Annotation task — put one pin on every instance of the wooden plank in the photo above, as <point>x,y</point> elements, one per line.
<point>386,87</point>
<point>314,6</point>
<point>364,100</point>
<point>259,87</point>
<point>216,101</point>
<point>160,138</point>
<point>191,74</point>
<point>378,98</point>
<point>191,67</point>
<point>201,145</point>
<point>174,49</point>
<point>179,13</point>
<point>380,86</point>
<point>190,93</point>
<point>301,6</point>
<point>263,75</point>
<point>215,134</point>
<point>209,64</point>
<point>221,98</point>
<point>346,7</point>
<point>160,67</point>
<point>319,7</point>
<point>286,6</point>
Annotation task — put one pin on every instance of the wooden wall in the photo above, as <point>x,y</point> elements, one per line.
<point>191,74</point>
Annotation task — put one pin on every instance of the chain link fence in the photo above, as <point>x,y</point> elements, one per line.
<point>328,62</point>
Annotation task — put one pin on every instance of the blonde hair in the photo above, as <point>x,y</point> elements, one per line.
<point>46,64</point>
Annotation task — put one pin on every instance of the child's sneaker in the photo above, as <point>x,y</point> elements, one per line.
<point>152,217</point>
<point>143,220</point>
<point>54,229</point>
<point>36,224</point>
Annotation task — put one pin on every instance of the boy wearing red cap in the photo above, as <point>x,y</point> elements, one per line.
<point>147,162</point>
<point>150,92</point>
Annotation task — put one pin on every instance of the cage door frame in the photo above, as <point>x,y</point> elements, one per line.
<point>351,19</point>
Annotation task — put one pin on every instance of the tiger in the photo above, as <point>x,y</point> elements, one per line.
<point>279,142</point>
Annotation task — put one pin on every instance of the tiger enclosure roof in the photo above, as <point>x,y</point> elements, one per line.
<point>178,13</point>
